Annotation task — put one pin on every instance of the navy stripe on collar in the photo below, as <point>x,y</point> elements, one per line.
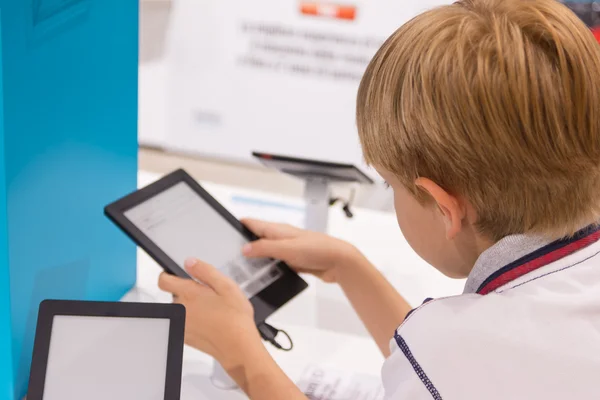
<point>541,257</point>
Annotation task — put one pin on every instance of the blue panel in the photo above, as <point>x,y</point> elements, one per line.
<point>70,137</point>
<point>6,373</point>
<point>50,15</point>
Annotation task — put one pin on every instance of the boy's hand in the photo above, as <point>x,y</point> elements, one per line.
<point>219,317</point>
<point>304,251</point>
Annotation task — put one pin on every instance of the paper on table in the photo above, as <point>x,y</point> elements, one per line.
<point>320,383</point>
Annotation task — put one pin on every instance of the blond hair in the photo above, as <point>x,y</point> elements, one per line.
<point>494,100</point>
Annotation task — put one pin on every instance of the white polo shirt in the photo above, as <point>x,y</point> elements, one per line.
<point>527,327</point>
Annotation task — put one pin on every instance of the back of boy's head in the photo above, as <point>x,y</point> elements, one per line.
<point>497,101</point>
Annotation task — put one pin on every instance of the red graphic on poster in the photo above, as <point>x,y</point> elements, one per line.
<point>329,10</point>
<point>596,32</point>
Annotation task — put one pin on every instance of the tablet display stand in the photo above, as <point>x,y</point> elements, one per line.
<point>316,195</point>
<point>318,176</point>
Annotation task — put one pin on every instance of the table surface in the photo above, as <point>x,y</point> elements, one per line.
<point>324,327</point>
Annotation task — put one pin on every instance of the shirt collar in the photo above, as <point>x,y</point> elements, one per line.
<point>518,255</point>
<point>504,252</point>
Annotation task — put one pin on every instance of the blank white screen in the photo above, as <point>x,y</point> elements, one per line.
<point>101,358</point>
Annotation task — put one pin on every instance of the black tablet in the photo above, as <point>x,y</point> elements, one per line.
<point>98,351</point>
<point>308,168</point>
<point>174,218</point>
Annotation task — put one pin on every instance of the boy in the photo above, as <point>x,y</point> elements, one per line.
<point>484,118</point>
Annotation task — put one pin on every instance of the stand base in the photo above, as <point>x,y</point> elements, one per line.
<point>220,379</point>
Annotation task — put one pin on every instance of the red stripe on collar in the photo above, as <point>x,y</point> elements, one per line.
<point>558,250</point>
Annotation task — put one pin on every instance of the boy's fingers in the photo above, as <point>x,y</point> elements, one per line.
<point>209,275</point>
<point>270,230</point>
<point>177,286</point>
<point>264,248</point>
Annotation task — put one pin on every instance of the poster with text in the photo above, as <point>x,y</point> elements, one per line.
<point>277,76</point>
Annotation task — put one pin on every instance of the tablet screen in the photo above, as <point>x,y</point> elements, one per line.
<point>100,358</point>
<point>183,225</point>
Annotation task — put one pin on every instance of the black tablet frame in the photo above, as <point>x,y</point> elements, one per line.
<point>50,308</point>
<point>266,157</point>
<point>265,302</point>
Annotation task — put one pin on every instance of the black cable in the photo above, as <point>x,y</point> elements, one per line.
<point>345,204</point>
<point>348,203</point>
<point>269,333</point>
<point>347,211</point>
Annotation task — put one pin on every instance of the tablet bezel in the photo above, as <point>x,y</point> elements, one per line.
<point>265,302</point>
<point>48,309</point>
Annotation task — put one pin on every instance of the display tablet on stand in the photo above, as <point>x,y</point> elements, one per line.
<point>305,168</point>
<point>318,176</point>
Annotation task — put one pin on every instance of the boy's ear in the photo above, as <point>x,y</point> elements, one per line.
<point>452,211</point>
